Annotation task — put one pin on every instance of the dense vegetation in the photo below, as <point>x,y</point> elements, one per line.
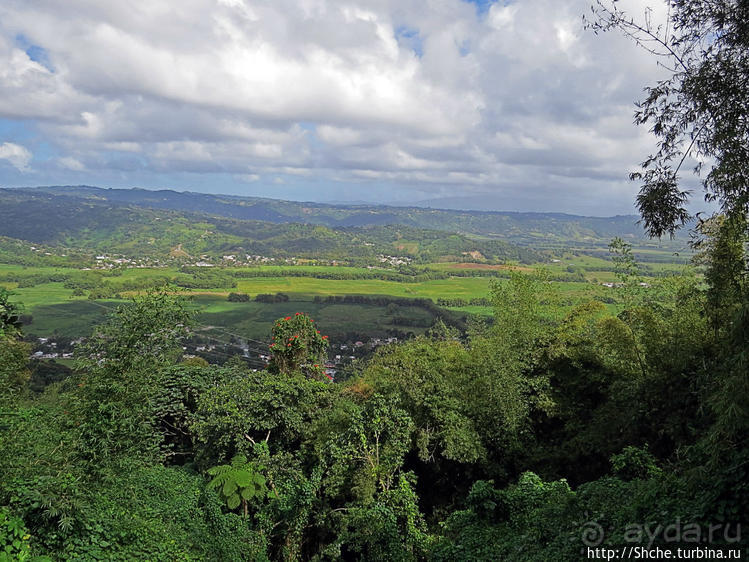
<point>505,441</point>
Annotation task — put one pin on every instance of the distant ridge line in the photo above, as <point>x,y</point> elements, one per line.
<point>56,189</point>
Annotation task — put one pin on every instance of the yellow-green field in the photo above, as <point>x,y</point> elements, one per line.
<point>462,287</point>
<point>47,293</point>
<point>55,310</point>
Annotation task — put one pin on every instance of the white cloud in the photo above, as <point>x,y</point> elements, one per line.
<point>72,163</point>
<point>17,155</point>
<point>518,97</point>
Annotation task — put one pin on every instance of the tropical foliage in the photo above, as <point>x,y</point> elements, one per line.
<point>509,440</point>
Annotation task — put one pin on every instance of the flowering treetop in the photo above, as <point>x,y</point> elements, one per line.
<point>297,346</point>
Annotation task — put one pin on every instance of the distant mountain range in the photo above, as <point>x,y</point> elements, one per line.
<point>536,229</point>
<point>170,224</point>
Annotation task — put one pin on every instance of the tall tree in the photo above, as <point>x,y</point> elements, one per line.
<point>699,111</point>
<point>120,370</point>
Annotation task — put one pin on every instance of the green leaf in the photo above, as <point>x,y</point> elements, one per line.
<point>239,461</point>
<point>243,478</point>
<point>233,501</point>
<point>229,487</point>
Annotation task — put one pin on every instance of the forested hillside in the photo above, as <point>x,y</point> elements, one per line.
<point>524,228</point>
<point>137,232</point>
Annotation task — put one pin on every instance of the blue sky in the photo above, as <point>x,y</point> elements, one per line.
<point>502,105</point>
<point>483,5</point>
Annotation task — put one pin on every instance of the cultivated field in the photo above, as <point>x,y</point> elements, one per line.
<point>56,308</point>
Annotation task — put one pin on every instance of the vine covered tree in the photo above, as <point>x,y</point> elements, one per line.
<point>297,346</point>
<point>10,322</point>
<point>120,369</point>
<point>13,352</point>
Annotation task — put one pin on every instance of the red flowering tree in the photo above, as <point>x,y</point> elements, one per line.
<point>298,347</point>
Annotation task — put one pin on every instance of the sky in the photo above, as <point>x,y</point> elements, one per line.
<point>504,105</point>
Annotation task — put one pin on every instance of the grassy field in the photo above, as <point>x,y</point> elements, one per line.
<point>254,320</point>
<point>56,311</point>
<point>77,318</point>
<point>74,318</point>
<point>464,287</point>
<point>40,295</point>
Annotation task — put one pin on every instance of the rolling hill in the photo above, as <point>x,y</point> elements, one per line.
<point>87,221</point>
<point>536,229</point>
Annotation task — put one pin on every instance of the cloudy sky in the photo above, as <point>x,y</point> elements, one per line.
<point>503,105</point>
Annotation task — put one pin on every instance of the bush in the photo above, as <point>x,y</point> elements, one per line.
<point>633,463</point>
<point>14,538</point>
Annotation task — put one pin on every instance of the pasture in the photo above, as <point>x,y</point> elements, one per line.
<point>56,311</point>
